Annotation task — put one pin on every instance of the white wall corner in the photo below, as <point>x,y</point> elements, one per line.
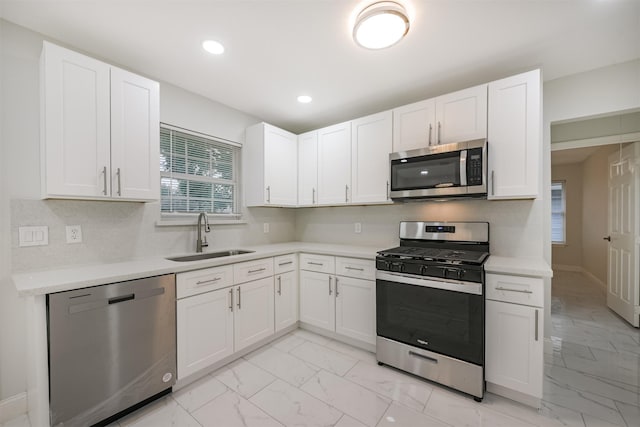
<point>12,407</point>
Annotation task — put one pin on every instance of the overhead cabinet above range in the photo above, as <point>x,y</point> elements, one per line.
<point>100,129</point>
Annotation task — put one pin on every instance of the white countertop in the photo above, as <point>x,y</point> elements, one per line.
<point>535,267</point>
<point>76,277</point>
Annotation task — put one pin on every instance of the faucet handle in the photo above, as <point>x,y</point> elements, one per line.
<point>204,242</point>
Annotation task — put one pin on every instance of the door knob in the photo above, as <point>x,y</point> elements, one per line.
<point>608,238</point>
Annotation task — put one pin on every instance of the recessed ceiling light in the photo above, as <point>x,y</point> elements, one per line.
<point>381,24</point>
<point>304,99</point>
<point>213,47</point>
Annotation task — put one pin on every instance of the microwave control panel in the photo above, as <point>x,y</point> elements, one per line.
<point>474,166</point>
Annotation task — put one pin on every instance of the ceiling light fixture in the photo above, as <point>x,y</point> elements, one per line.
<point>304,99</point>
<point>380,25</point>
<point>213,47</point>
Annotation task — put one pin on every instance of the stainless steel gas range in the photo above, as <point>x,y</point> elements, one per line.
<point>430,303</point>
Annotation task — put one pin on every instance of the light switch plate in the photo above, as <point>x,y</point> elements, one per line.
<point>33,236</point>
<point>74,234</point>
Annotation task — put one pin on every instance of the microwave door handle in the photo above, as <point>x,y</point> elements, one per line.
<point>463,168</point>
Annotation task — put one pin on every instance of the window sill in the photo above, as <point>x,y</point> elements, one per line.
<point>192,221</point>
<point>559,244</point>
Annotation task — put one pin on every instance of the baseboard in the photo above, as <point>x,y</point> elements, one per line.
<point>566,267</point>
<point>595,279</point>
<point>13,407</point>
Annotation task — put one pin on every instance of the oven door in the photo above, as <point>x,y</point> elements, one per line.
<point>447,319</point>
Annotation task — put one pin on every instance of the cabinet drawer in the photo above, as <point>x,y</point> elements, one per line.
<point>354,267</point>
<point>284,263</point>
<point>200,281</point>
<point>252,270</point>
<point>515,289</point>
<point>319,263</point>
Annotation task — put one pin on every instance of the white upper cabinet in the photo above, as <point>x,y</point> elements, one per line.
<point>334,164</point>
<point>414,125</point>
<point>270,157</point>
<point>371,144</point>
<point>514,136</point>
<point>308,168</point>
<point>100,129</point>
<point>461,116</point>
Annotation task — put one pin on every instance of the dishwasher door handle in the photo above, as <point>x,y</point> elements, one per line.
<point>122,298</point>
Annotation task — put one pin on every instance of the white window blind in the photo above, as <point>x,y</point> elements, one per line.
<point>197,174</point>
<point>558,212</point>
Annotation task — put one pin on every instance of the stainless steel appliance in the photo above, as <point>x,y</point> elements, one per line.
<point>430,303</point>
<point>440,171</point>
<point>110,347</point>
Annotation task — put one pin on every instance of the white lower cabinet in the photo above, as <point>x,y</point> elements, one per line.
<point>317,305</point>
<point>515,338</point>
<point>286,300</point>
<point>253,312</point>
<point>355,308</point>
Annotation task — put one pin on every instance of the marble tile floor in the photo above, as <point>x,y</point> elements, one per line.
<point>592,379</point>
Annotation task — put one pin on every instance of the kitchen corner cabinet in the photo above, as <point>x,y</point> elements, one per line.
<point>371,143</point>
<point>515,337</point>
<point>515,137</point>
<point>270,158</point>
<point>308,168</point>
<point>99,129</point>
<point>454,117</point>
<point>334,164</point>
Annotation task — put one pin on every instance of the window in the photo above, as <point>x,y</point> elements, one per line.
<point>558,212</point>
<point>198,173</point>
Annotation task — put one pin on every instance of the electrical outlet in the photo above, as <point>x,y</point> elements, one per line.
<point>74,234</point>
<point>266,227</point>
<point>358,227</point>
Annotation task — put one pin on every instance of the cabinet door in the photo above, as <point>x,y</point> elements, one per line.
<point>334,164</point>
<point>254,312</point>
<point>371,143</point>
<point>308,168</point>
<point>135,136</point>
<point>204,330</point>
<point>75,118</point>
<point>515,349</point>
<point>461,116</point>
<point>356,308</point>
<point>317,305</point>
<point>514,137</point>
<point>280,167</point>
<point>414,125</point>
<point>286,299</point>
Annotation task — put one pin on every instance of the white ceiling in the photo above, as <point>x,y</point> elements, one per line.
<point>574,155</point>
<point>278,49</point>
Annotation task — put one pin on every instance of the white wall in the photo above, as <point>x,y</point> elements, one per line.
<point>112,231</point>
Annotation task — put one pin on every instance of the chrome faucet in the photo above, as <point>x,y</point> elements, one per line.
<point>202,240</point>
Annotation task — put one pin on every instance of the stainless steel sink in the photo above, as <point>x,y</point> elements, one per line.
<point>209,255</point>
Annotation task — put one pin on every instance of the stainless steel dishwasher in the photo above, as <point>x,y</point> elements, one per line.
<point>111,347</point>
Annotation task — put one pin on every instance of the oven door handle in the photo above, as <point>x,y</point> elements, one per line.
<point>440,283</point>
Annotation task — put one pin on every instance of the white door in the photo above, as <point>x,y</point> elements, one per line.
<point>371,144</point>
<point>624,279</point>
<point>317,303</point>
<point>204,330</point>
<point>334,164</point>
<point>280,171</point>
<point>515,139</point>
<point>514,347</point>
<point>308,168</point>
<point>254,312</point>
<point>461,116</point>
<point>286,299</point>
<point>414,125</point>
<point>356,308</point>
<point>76,130</point>
<point>135,136</point>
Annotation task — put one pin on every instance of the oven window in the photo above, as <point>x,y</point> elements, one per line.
<point>446,322</point>
<point>433,171</point>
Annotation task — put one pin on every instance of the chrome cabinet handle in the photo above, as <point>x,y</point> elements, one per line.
<point>522,291</point>
<point>239,301</point>
<point>257,271</point>
<point>493,183</point>
<point>536,332</point>
<point>439,132</point>
<point>315,263</point>
<point>231,299</point>
<point>285,263</point>
<point>430,128</point>
<point>280,285</point>
<point>268,194</point>
<point>330,285</point>
<point>346,193</point>
<point>313,196</point>
<point>104,175</point>
<point>337,293</point>
<point>354,268</point>
<point>119,188</point>
<point>203,282</point>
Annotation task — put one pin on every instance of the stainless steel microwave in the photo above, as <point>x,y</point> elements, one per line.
<point>440,171</point>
